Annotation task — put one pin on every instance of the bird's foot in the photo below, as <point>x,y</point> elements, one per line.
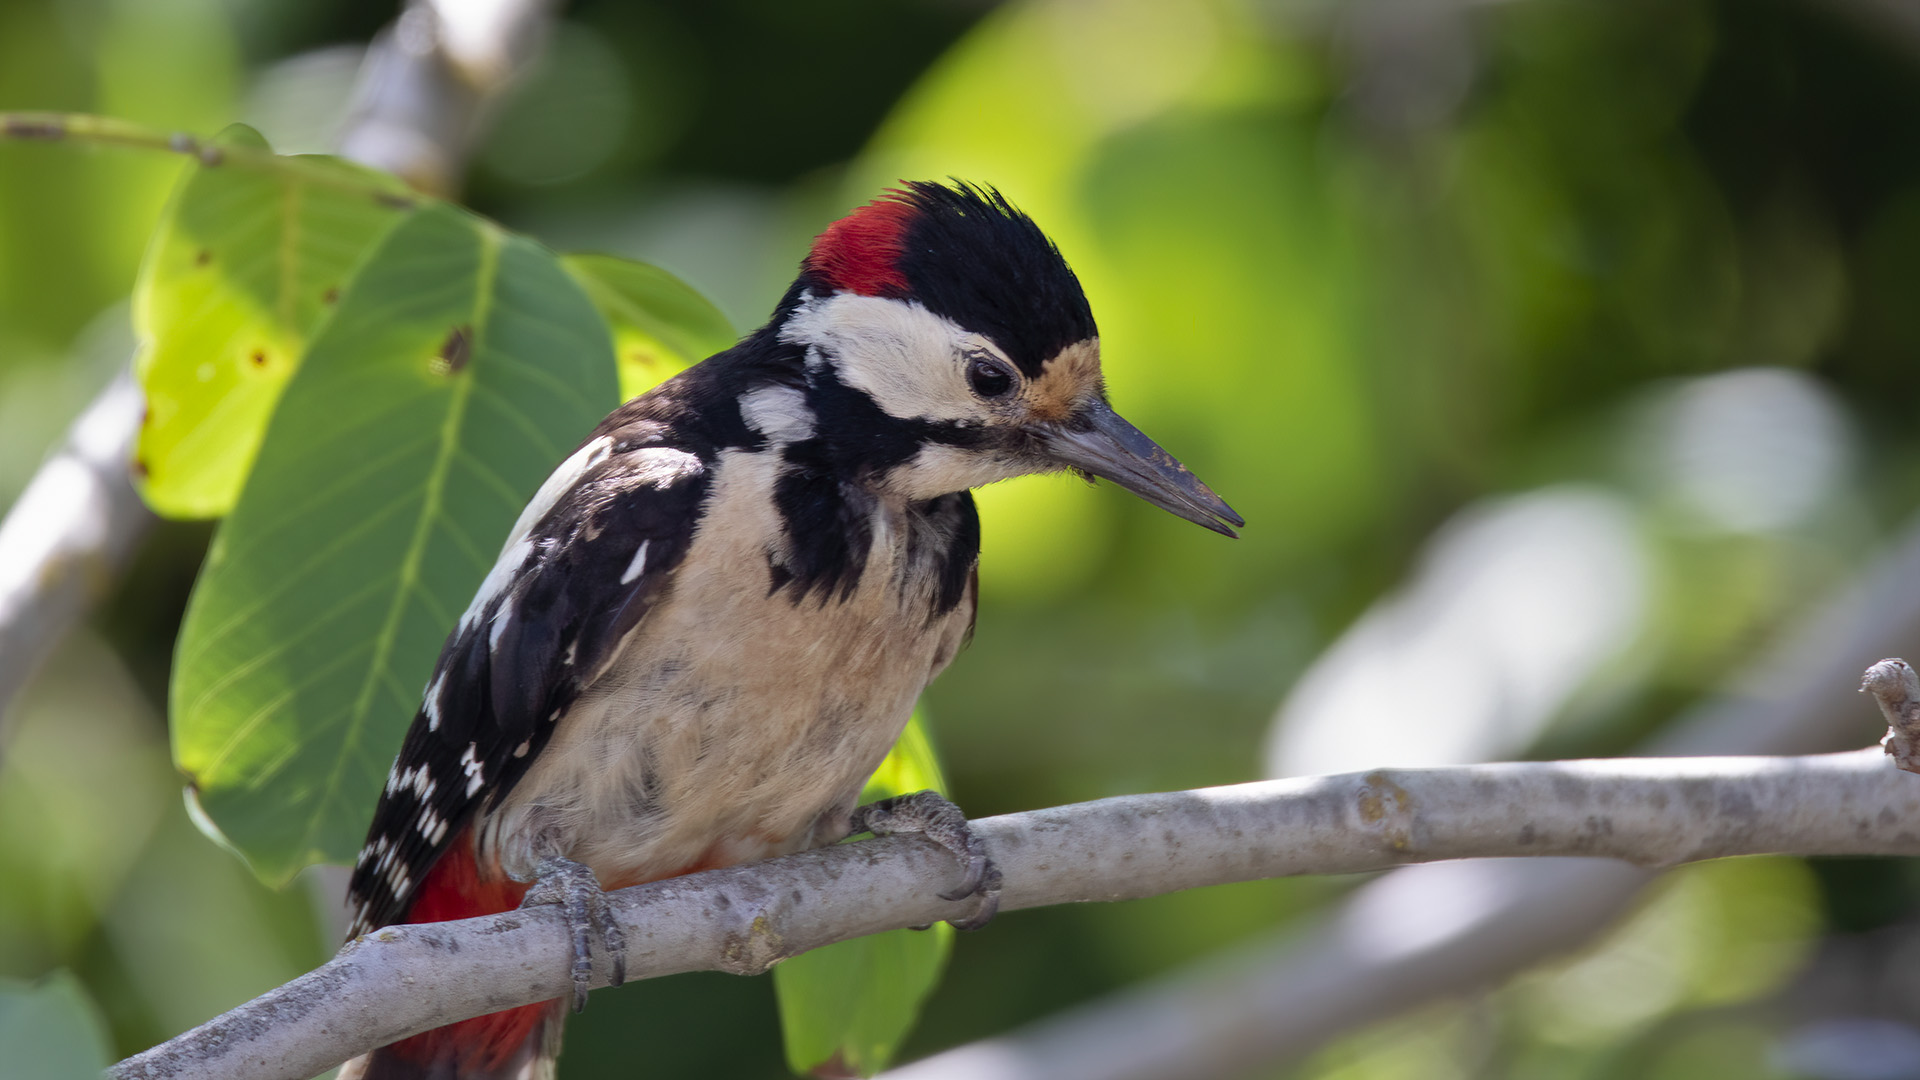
<point>932,816</point>
<point>572,886</point>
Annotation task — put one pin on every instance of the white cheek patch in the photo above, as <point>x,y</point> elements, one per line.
<point>941,470</point>
<point>900,354</point>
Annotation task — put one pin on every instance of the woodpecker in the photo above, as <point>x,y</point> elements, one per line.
<point>711,622</point>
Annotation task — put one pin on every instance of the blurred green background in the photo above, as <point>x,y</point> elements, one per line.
<point>1558,351</point>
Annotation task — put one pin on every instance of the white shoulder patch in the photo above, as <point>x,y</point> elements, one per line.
<point>656,466</point>
<point>498,579</point>
<point>568,474</point>
<point>778,412</point>
<point>431,699</point>
<point>661,465</point>
<point>515,550</point>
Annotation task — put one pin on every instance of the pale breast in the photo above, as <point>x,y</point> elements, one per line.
<point>735,722</point>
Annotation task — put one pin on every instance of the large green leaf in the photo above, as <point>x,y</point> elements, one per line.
<point>245,265</point>
<point>462,365</point>
<point>661,325</point>
<point>848,1006</point>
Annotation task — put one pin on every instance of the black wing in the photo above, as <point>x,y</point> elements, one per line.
<point>593,551</point>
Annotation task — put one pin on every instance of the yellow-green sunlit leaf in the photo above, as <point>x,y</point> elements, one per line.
<point>245,266</point>
<point>661,326</point>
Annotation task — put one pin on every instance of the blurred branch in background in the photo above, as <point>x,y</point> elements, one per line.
<point>1427,932</point>
<point>68,536</point>
<point>1899,20</point>
<point>428,83</point>
<point>423,95</point>
<point>1661,812</point>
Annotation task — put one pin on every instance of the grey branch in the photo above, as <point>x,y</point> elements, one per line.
<point>1402,940</point>
<point>1650,812</point>
<point>1284,999</point>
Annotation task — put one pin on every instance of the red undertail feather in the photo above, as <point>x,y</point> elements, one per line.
<point>513,1043</point>
<point>498,1044</point>
<point>861,252</point>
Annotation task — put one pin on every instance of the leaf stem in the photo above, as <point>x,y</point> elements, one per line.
<point>91,130</point>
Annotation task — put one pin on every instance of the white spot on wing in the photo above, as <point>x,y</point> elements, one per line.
<point>416,778</point>
<point>634,569</point>
<point>557,485</point>
<point>476,773</point>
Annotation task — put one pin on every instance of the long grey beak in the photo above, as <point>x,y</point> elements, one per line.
<point>1100,442</point>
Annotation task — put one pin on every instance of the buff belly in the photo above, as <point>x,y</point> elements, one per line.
<point>755,741</point>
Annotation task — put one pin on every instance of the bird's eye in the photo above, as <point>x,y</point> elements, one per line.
<point>987,378</point>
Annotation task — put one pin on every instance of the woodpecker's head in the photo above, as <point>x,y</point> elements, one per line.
<point>949,346</point>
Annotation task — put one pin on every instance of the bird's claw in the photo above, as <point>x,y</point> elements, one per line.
<point>573,887</point>
<point>932,816</point>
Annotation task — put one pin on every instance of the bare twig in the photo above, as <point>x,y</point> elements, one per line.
<point>1655,812</point>
<point>1896,690</point>
<point>106,131</point>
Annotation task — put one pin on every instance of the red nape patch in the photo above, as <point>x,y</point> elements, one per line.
<point>456,889</point>
<point>861,252</point>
